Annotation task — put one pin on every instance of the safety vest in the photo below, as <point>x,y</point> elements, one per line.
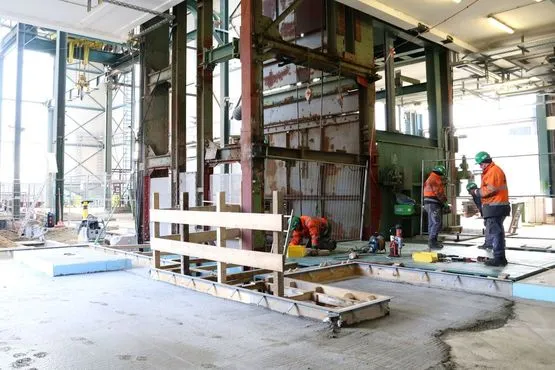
<point>434,188</point>
<point>494,191</point>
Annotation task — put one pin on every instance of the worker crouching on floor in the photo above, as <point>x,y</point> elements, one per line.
<point>317,230</point>
<point>494,195</point>
<point>435,203</point>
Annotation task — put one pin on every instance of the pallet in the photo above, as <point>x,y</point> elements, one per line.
<point>265,284</point>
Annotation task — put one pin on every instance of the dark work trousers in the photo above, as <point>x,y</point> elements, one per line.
<point>434,220</point>
<point>495,233</point>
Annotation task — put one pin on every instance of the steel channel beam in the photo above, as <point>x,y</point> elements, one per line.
<point>331,27</point>
<point>222,54</point>
<point>390,116</point>
<point>204,99</point>
<point>420,277</point>
<point>178,129</point>
<point>234,153</point>
<point>60,93</point>
<point>304,56</point>
<point>433,81</point>
<point>17,129</point>
<point>252,130</point>
<point>160,77</point>
<point>405,90</point>
<point>225,126</point>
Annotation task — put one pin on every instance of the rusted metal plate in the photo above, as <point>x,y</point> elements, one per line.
<point>342,138</point>
<point>275,76</point>
<point>332,104</point>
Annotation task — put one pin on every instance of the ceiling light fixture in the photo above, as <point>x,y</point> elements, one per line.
<point>459,1</point>
<point>502,26</point>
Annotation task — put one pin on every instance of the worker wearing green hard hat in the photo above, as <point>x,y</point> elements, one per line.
<point>435,204</point>
<point>493,196</point>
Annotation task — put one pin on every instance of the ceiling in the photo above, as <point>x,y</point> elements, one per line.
<point>105,21</point>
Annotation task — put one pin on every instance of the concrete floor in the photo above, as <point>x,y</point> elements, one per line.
<point>123,320</point>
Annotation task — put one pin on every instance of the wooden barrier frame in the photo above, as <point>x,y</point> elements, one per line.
<point>229,223</point>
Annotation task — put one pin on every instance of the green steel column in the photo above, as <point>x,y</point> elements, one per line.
<point>204,98</point>
<point>17,129</point>
<point>108,133</point>
<point>60,88</point>
<point>543,145</point>
<point>433,80</point>
<point>224,81</point>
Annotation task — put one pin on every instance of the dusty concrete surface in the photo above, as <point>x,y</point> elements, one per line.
<point>526,342</point>
<point>123,320</point>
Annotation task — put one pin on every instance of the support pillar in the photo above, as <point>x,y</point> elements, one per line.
<point>178,127</point>
<point>543,146</point>
<point>224,81</point>
<point>60,93</point>
<point>17,129</point>
<point>433,81</point>
<point>1,101</point>
<point>390,117</point>
<point>108,147</point>
<point>204,98</point>
<point>252,129</point>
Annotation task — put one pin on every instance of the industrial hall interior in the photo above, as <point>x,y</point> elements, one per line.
<point>288,184</point>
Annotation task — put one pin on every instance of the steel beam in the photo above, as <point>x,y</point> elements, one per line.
<point>331,27</point>
<point>404,90</point>
<point>252,125</point>
<point>108,132</point>
<point>178,127</point>
<point>222,54</point>
<point>390,116</point>
<point>234,153</point>
<point>60,93</point>
<point>224,80</point>
<point>17,129</point>
<point>204,98</point>
<point>543,145</point>
<point>303,56</point>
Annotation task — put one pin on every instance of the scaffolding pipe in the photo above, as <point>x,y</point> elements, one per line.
<point>17,129</point>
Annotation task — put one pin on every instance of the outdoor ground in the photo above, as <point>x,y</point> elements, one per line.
<point>123,320</point>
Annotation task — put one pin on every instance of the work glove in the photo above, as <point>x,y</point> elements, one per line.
<point>471,187</point>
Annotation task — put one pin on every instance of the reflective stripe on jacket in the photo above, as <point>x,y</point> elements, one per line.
<point>434,188</point>
<point>494,191</point>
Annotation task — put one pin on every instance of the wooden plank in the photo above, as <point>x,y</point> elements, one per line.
<point>298,294</point>
<point>249,221</point>
<point>220,238</point>
<point>171,267</point>
<point>184,233</point>
<point>156,254</point>
<point>261,260</point>
<point>233,208</point>
<point>277,247</point>
<point>334,301</point>
<point>203,209</point>
<point>332,291</point>
<point>208,236</point>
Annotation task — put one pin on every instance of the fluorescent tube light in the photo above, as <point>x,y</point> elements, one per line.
<point>502,26</point>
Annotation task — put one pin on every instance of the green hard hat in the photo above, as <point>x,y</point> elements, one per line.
<point>471,186</point>
<point>481,157</point>
<point>294,222</point>
<point>439,170</point>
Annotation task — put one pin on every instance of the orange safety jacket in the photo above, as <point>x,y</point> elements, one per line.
<point>310,227</point>
<point>494,189</point>
<point>434,190</point>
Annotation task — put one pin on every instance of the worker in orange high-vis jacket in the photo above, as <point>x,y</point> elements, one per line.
<point>495,206</point>
<point>435,202</point>
<point>316,229</point>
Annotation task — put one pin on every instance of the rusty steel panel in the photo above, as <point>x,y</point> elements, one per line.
<point>275,176</point>
<point>343,138</point>
<point>275,76</point>
<point>332,104</point>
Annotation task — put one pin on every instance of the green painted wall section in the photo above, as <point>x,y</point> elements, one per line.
<point>403,154</point>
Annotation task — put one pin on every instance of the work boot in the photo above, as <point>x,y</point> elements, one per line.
<point>484,246</point>
<point>497,262</point>
<point>434,244</point>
